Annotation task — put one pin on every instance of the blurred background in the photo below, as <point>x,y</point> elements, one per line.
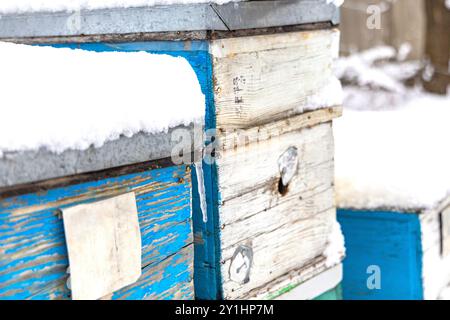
<point>418,29</point>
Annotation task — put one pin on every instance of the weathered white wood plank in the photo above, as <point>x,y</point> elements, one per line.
<point>274,217</point>
<point>279,251</point>
<point>275,234</point>
<point>303,188</point>
<point>104,245</point>
<point>315,146</point>
<point>264,78</point>
<point>234,138</point>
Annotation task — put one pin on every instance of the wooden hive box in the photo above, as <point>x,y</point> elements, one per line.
<point>58,207</point>
<point>263,238</point>
<point>33,244</point>
<point>263,82</point>
<point>394,209</point>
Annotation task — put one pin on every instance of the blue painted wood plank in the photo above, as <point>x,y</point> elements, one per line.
<point>32,244</point>
<point>167,280</point>
<point>207,275</point>
<point>390,241</point>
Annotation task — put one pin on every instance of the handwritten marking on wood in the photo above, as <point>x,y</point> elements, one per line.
<point>104,245</point>
<point>264,78</point>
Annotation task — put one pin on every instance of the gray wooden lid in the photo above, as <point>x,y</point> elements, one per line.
<point>23,167</point>
<point>172,18</point>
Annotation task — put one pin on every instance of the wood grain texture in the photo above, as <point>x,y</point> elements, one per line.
<point>265,78</point>
<point>196,53</point>
<point>33,250</point>
<point>315,147</point>
<point>178,36</point>
<point>103,241</point>
<point>286,232</point>
<point>235,138</point>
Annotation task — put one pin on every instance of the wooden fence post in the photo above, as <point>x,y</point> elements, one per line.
<point>438,46</point>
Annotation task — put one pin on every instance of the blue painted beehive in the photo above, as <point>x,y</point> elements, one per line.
<point>263,195</point>
<point>392,183</point>
<point>38,185</point>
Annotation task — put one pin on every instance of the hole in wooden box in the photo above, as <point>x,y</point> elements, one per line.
<point>282,189</point>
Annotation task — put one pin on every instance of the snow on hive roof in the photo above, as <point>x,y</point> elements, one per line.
<point>63,99</point>
<point>22,6</point>
<point>396,158</point>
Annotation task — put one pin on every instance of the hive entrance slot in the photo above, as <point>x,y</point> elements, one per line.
<point>282,189</point>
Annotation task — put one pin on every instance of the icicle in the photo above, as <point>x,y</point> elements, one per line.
<point>201,189</point>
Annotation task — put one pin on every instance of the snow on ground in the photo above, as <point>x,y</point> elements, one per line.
<point>337,3</point>
<point>445,293</point>
<point>21,6</point>
<point>330,94</point>
<point>71,99</point>
<point>392,141</point>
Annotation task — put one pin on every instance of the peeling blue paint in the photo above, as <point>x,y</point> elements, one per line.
<point>45,225</point>
<point>34,256</point>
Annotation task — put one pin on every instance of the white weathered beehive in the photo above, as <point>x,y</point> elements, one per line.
<point>275,98</point>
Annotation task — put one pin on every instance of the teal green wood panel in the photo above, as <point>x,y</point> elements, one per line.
<point>32,245</point>
<point>385,245</point>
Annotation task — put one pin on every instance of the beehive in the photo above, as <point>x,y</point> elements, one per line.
<point>33,245</point>
<point>267,196</point>
<point>392,196</point>
<point>262,88</point>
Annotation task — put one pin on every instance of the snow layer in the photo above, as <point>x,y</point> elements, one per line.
<point>330,94</point>
<point>445,294</point>
<point>335,250</point>
<point>71,99</point>
<point>22,6</point>
<point>337,3</point>
<point>365,70</point>
<point>391,142</point>
<point>397,158</point>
